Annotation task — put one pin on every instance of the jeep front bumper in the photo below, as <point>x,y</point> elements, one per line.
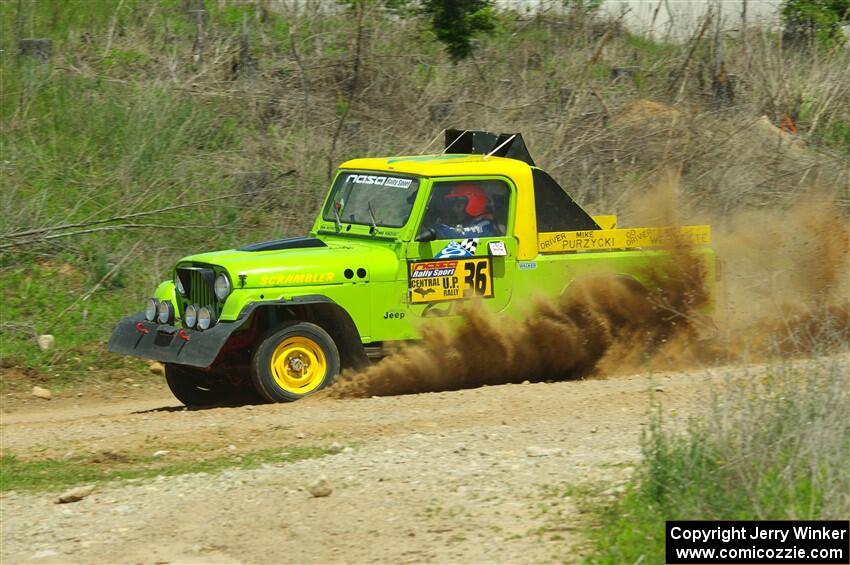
<point>169,344</point>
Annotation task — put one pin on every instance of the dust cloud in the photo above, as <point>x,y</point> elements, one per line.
<point>783,288</point>
<point>786,280</point>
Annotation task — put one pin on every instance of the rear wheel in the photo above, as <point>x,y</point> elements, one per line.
<point>294,361</point>
<point>194,387</point>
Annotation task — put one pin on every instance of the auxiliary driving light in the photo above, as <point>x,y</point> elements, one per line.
<point>190,315</point>
<point>222,286</point>
<point>166,312</point>
<point>151,309</point>
<point>206,318</point>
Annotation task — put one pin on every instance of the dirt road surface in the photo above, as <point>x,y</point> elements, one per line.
<point>483,475</point>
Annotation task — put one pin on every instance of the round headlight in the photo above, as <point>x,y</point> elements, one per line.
<point>222,286</point>
<point>166,312</point>
<point>151,309</point>
<point>179,284</point>
<point>206,318</point>
<point>190,315</point>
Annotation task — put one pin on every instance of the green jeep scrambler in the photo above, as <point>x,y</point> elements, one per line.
<point>398,240</point>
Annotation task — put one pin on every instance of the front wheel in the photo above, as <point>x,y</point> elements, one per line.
<point>294,361</point>
<point>194,387</point>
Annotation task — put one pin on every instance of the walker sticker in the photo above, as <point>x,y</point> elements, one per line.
<point>438,281</point>
<point>465,248</point>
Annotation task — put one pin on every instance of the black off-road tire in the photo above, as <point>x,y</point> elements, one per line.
<point>196,388</point>
<point>262,372</point>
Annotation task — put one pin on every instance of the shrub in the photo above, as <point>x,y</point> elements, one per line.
<point>773,446</point>
<point>819,19</point>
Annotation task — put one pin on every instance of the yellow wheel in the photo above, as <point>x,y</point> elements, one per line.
<point>298,364</point>
<point>294,361</point>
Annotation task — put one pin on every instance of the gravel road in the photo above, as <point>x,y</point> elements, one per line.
<point>469,476</point>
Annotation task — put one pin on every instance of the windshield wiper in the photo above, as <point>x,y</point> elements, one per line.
<point>372,216</point>
<point>336,208</point>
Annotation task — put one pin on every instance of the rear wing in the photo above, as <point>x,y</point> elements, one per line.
<point>629,238</point>
<point>475,142</point>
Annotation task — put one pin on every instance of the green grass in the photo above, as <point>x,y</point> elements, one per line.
<point>771,448</point>
<point>93,145</point>
<point>836,134</point>
<point>53,474</point>
<point>35,296</point>
<point>648,47</point>
<point>79,148</point>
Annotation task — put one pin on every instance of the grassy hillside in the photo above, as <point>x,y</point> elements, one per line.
<point>160,128</point>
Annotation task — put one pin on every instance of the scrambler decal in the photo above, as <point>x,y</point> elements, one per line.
<point>438,281</point>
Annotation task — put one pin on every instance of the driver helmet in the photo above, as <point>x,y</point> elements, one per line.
<point>474,196</point>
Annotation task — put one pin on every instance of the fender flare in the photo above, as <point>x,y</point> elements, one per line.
<point>324,312</point>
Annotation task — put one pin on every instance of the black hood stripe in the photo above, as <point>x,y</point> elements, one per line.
<point>289,243</point>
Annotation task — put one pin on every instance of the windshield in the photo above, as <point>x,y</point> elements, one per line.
<point>380,200</point>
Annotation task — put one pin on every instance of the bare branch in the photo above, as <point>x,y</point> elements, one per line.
<point>138,214</point>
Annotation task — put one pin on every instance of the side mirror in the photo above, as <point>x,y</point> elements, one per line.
<point>426,234</point>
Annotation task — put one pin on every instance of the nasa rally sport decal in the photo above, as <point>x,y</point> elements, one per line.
<point>465,248</point>
<point>394,182</point>
<point>441,280</point>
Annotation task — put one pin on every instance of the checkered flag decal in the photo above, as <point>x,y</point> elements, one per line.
<point>470,245</point>
<point>465,248</point>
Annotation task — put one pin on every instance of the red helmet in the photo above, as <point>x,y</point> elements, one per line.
<point>476,198</point>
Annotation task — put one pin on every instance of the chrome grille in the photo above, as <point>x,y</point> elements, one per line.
<point>199,283</point>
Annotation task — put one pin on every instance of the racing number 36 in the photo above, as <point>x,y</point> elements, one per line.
<point>452,279</point>
<point>476,277</point>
